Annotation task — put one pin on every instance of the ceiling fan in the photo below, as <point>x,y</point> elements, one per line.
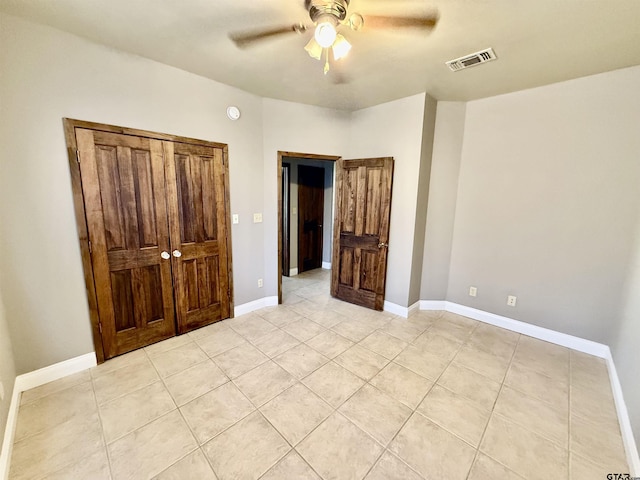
<point>327,17</point>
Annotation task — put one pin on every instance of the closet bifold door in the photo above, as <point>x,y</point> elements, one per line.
<point>198,226</point>
<point>123,185</point>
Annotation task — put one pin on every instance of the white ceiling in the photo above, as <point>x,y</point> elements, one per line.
<point>537,42</point>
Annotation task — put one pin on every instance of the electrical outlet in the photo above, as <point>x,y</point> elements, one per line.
<point>235,218</point>
<point>257,218</point>
<point>259,283</point>
<point>511,301</point>
<point>473,291</point>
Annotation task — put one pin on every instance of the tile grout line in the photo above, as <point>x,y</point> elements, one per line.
<point>104,438</point>
<point>297,381</point>
<point>478,451</point>
<point>167,413</point>
<point>336,410</point>
<point>414,411</point>
<point>46,474</point>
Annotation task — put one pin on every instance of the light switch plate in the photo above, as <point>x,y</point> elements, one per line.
<point>257,218</point>
<point>235,218</point>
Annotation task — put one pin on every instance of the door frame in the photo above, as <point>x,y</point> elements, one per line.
<point>70,126</point>
<point>281,156</point>
<point>285,224</point>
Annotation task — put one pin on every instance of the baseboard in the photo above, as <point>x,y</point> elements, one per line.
<point>31,380</point>
<point>326,265</point>
<point>255,305</point>
<point>293,272</point>
<point>628,439</point>
<point>54,372</point>
<point>551,336</point>
<point>565,340</point>
<point>9,432</point>
<point>433,305</point>
<point>400,310</point>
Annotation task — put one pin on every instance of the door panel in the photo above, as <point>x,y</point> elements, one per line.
<point>310,217</point>
<point>361,231</point>
<point>123,187</point>
<point>198,225</point>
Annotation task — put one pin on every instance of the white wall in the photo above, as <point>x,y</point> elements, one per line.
<point>626,353</point>
<point>48,75</point>
<point>292,127</point>
<point>443,192</point>
<point>394,129</point>
<point>548,201</point>
<point>7,370</point>
<point>422,197</point>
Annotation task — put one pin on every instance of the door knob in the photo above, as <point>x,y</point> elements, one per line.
<point>165,255</point>
<point>383,244</point>
<point>177,253</point>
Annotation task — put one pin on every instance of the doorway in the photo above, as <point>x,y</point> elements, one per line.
<point>305,213</point>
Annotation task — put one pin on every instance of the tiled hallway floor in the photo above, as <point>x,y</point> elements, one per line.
<point>318,388</point>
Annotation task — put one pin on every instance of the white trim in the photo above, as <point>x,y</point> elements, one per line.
<point>293,272</point>
<point>255,305</point>
<point>31,380</point>
<point>396,309</point>
<point>433,305</point>
<point>623,418</point>
<point>54,372</point>
<point>400,310</point>
<point>575,343</point>
<point>564,339</point>
<point>326,265</point>
<point>9,432</point>
<point>413,308</point>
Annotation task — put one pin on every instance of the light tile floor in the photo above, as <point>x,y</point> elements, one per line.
<point>318,388</point>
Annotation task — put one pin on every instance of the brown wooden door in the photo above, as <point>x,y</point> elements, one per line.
<point>123,186</point>
<point>310,217</point>
<point>361,230</point>
<point>198,225</point>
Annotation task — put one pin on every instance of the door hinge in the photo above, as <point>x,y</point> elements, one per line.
<point>78,157</point>
<point>228,293</point>
<point>90,247</point>
<point>100,327</point>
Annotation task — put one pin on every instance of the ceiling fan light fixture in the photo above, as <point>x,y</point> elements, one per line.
<point>314,49</point>
<point>341,47</point>
<point>356,22</point>
<point>325,34</point>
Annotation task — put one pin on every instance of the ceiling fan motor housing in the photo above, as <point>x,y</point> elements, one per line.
<point>335,8</point>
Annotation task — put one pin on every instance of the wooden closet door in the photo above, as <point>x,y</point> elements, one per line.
<point>123,186</point>
<point>361,231</point>
<point>199,232</point>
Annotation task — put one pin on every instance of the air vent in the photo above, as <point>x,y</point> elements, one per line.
<point>472,60</point>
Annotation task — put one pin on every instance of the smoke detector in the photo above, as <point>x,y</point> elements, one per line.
<point>472,60</point>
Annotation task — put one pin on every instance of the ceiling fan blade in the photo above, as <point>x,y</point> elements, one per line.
<point>381,21</point>
<point>247,39</point>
